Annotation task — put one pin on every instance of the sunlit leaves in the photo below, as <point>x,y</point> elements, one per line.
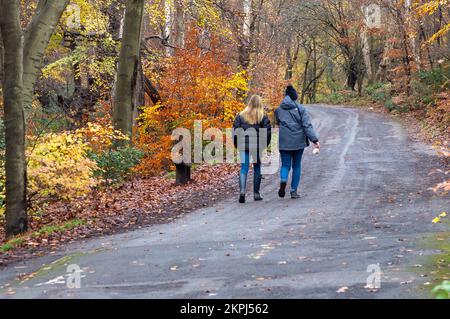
<point>438,219</point>
<point>197,85</point>
<point>91,19</point>
<point>429,8</point>
<point>58,167</point>
<point>204,12</point>
<point>58,163</point>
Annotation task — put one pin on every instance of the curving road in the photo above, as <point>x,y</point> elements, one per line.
<point>365,202</point>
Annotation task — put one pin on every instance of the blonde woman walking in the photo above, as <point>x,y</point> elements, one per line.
<point>252,133</point>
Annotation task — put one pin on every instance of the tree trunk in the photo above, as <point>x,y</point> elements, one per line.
<point>139,92</point>
<point>352,74</point>
<point>22,61</point>
<point>1,61</point>
<point>312,95</point>
<point>115,15</point>
<point>385,61</point>
<point>180,24</point>
<point>305,77</point>
<point>245,45</point>
<point>37,38</point>
<point>167,34</point>
<point>151,91</point>
<point>406,61</point>
<point>16,210</point>
<point>247,6</point>
<point>291,59</point>
<point>289,65</point>
<point>367,54</point>
<point>423,38</point>
<point>128,66</point>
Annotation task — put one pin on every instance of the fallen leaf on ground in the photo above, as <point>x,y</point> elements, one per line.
<point>342,290</point>
<point>436,220</point>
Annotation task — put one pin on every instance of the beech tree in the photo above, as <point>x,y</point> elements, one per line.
<point>23,53</point>
<point>128,67</point>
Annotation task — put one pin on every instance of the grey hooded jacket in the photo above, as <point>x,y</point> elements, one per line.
<point>296,129</point>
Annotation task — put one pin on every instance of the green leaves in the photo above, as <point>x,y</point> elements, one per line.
<point>116,165</point>
<point>442,291</point>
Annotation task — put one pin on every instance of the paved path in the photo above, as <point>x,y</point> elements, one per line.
<point>364,202</point>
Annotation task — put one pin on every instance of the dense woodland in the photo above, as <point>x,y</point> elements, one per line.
<point>92,89</point>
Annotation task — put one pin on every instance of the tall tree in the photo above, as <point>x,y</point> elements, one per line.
<point>37,37</point>
<point>128,67</point>
<point>23,53</point>
<point>16,216</point>
<point>1,60</point>
<point>180,24</point>
<point>168,24</point>
<point>340,21</point>
<point>292,53</point>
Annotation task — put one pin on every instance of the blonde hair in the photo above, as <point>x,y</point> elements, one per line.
<point>254,112</point>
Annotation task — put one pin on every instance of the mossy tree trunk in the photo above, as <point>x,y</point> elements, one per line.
<point>16,214</point>
<point>37,38</point>
<point>128,67</point>
<point>22,60</point>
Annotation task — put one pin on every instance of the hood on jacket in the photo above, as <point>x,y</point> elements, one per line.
<point>288,104</point>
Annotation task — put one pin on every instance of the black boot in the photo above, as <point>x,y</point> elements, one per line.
<point>256,187</point>
<point>242,187</point>
<point>282,191</point>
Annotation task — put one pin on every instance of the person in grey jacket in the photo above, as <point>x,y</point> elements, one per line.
<point>296,133</point>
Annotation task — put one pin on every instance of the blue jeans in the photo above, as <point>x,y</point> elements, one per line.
<point>291,159</point>
<point>245,165</point>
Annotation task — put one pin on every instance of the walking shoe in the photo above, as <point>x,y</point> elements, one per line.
<point>242,187</point>
<point>282,191</point>
<point>258,197</point>
<point>295,195</point>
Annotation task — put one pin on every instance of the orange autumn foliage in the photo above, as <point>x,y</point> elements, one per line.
<point>196,84</point>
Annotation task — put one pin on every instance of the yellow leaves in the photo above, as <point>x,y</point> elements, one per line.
<point>86,14</point>
<point>439,218</point>
<point>59,166</point>
<point>238,81</point>
<point>436,220</point>
<point>148,117</point>
<point>155,12</point>
<point>429,8</point>
<point>205,13</point>
<point>57,69</point>
<point>208,15</point>
<point>440,33</point>
<point>100,137</point>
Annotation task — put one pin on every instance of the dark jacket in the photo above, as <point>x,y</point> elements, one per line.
<point>248,137</point>
<point>296,129</point>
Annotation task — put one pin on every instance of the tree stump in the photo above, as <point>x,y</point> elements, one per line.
<point>183,174</point>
